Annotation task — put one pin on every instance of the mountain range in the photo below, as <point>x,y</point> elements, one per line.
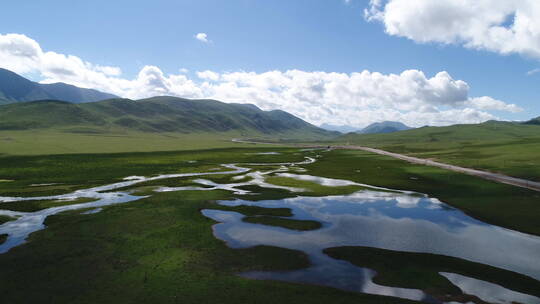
<point>30,105</point>
<point>461,134</point>
<point>157,114</point>
<point>15,88</point>
<point>339,128</point>
<point>378,127</point>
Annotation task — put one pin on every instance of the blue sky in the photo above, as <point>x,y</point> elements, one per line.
<point>261,36</point>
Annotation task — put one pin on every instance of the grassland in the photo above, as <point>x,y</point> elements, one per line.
<point>47,142</point>
<point>311,188</point>
<point>495,203</point>
<point>88,170</point>
<point>508,148</point>
<point>5,219</point>
<point>161,249</point>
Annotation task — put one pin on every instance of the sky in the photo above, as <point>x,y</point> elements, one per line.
<point>420,62</point>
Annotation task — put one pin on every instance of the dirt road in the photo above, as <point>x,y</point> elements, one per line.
<point>501,178</point>
<point>497,177</point>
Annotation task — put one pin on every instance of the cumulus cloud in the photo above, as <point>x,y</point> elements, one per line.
<point>505,27</point>
<point>355,99</point>
<point>202,37</point>
<point>208,75</point>
<point>360,98</point>
<point>488,103</point>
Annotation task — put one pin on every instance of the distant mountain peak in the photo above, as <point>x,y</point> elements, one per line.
<point>385,127</point>
<point>339,128</point>
<point>15,88</point>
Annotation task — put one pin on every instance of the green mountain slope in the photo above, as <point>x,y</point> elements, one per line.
<point>534,121</point>
<point>156,115</point>
<point>451,135</point>
<point>15,88</point>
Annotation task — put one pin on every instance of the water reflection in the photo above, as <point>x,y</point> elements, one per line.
<point>489,292</point>
<point>395,221</point>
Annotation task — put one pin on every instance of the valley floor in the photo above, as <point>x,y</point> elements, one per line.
<point>515,155</point>
<point>47,142</point>
<point>161,249</point>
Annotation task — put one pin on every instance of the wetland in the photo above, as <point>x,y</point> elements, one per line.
<point>269,219</point>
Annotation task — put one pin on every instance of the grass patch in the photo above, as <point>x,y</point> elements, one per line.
<point>312,189</point>
<point>300,225</point>
<point>33,206</point>
<point>147,186</point>
<point>33,191</point>
<point>142,191</point>
<point>254,211</point>
<point>223,179</point>
<point>421,271</point>
<point>5,219</point>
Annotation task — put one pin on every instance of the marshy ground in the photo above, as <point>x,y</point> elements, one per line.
<point>160,248</point>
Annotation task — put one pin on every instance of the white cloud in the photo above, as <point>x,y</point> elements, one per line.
<point>208,75</point>
<point>488,103</point>
<point>505,27</point>
<point>355,99</point>
<point>533,71</point>
<point>109,71</point>
<point>202,37</point>
<point>360,98</point>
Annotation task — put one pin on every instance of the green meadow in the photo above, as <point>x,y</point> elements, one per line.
<point>509,148</point>
<point>47,142</point>
<point>155,250</point>
<point>161,249</point>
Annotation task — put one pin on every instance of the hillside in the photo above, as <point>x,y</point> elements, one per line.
<point>156,115</point>
<point>534,121</point>
<point>384,127</point>
<point>451,135</point>
<point>15,88</point>
<point>507,147</point>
